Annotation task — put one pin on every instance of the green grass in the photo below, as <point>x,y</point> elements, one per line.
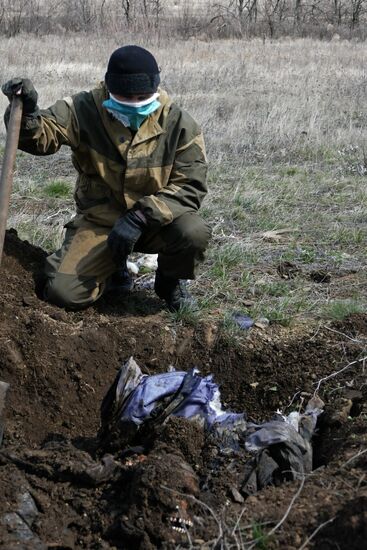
<point>283,310</point>
<point>56,189</point>
<point>307,255</point>
<point>33,232</point>
<point>340,309</point>
<point>319,204</point>
<point>350,235</point>
<point>275,289</point>
<point>188,315</point>
<point>232,334</point>
<point>259,535</point>
<point>224,259</point>
<point>290,171</point>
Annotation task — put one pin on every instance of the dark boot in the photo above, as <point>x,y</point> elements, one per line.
<point>173,291</point>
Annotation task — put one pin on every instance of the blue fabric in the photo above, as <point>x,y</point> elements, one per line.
<point>243,321</point>
<point>135,116</point>
<point>282,446</point>
<point>192,396</point>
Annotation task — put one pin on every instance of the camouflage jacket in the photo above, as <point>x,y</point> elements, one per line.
<point>161,168</point>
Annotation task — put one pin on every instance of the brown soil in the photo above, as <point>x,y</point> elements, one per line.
<point>60,364</point>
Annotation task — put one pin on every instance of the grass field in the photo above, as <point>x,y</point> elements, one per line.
<point>285,127</point>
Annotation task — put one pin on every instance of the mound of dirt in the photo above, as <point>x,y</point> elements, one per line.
<point>60,491</point>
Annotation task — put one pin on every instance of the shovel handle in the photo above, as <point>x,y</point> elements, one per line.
<point>6,180</point>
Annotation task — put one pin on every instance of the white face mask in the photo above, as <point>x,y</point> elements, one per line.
<point>136,103</point>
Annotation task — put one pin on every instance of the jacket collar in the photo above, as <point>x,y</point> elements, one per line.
<point>151,128</point>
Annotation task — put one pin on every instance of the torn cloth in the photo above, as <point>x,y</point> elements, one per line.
<point>139,398</point>
<point>280,448</point>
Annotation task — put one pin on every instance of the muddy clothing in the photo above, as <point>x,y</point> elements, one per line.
<point>160,169</point>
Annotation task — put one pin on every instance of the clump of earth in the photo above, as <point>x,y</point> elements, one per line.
<point>60,489</point>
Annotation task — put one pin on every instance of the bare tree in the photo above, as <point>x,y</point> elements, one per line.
<point>298,11</point>
<point>273,9</point>
<point>157,10</point>
<point>224,18</point>
<point>252,9</point>
<point>145,6</point>
<point>126,8</point>
<point>86,13</point>
<point>16,12</point>
<point>357,9</point>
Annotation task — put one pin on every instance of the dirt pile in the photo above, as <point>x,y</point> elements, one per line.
<point>60,491</point>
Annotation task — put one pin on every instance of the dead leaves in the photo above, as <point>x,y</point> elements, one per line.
<point>277,235</point>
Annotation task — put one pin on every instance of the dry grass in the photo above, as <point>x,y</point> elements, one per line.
<point>285,125</point>
<point>251,97</point>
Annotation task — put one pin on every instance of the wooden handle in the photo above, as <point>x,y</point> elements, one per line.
<point>6,180</point>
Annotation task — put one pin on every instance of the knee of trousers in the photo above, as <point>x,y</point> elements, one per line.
<point>193,232</point>
<point>70,291</point>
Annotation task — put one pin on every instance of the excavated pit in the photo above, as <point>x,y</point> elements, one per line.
<point>177,491</point>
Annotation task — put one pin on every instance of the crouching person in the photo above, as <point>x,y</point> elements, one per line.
<point>141,179</point>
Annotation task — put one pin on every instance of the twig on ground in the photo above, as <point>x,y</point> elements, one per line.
<point>293,398</point>
<point>251,544</point>
<point>360,453</point>
<point>332,375</point>
<point>339,388</point>
<point>238,520</point>
<point>260,524</point>
<point>360,481</point>
<point>315,333</point>
<point>315,532</point>
<point>294,498</point>
<point>342,334</point>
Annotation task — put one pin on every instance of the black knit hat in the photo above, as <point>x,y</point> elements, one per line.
<point>132,70</point>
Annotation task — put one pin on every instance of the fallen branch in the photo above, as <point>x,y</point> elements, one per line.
<point>238,520</point>
<point>315,533</point>
<point>360,453</point>
<point>342,334</point>
<point>293,398</point>
<point>338,372</point>
<point>253,543</point>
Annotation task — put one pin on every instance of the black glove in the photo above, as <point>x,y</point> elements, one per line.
<point>124,235</point>
<point>28,93</point>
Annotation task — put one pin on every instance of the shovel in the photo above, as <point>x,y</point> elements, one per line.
<point>6,180</point>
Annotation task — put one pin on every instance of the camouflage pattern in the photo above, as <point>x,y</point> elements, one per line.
<point>162,168</point>
<point>78,273</point>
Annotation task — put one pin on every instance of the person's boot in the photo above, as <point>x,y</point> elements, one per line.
<point>173,291</point>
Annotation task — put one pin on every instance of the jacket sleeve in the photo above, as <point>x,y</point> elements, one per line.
<point>186,186</point>
<point>46,131</point>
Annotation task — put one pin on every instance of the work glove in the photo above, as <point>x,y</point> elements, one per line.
<point>28,94</point>
<point>125,233</point>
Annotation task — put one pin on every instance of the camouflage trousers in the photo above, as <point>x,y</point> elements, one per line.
<point>78,273</point>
